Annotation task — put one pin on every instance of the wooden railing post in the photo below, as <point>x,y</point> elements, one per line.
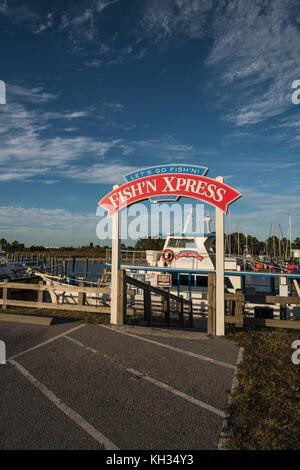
<point>81,296</point>
<point>40,292</point>
<point>4,295</point>
<point>181,313</point>
<point>211,301</point>
<point>123,294</point>
<point>239,305</point>
<point>282,312</point>
<point>147,304</point>
<point>191,313</point>
<point>167,309</point>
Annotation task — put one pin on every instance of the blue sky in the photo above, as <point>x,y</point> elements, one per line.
<point>98,88</point>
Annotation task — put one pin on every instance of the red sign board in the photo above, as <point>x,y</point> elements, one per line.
<point>197,187</point>
<point>164,280</point>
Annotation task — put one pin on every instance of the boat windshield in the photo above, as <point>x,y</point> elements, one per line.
<point>181,243</point>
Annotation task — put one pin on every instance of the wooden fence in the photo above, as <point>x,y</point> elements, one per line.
<point>82,299</point>
<point>7,287</point>
<point>235,308</point>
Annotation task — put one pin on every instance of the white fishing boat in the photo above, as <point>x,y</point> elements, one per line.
<point>187,258</point>
<point>63,295</point>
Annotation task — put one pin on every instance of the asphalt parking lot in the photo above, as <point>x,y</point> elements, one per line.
<point>77,386</point>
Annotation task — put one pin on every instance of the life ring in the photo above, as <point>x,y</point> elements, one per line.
<point>167,255</point>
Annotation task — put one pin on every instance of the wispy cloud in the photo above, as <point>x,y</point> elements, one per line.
<point>253,57</point>
<point>31,95</point>
<point>103,173</point>
<point>81,22</point>
<point>34,223</point>
<point>28,152</point>
<point>18,13</point>
<point>43,26</point>
<point>163,20</point>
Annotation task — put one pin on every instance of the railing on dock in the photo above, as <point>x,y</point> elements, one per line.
<point>133,257</point>
<point>235,308</point>
<point>7,287</point>
<point>167,299</point>
<point>169,306</point>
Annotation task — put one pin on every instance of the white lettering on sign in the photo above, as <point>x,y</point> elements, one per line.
<point>198,187</point>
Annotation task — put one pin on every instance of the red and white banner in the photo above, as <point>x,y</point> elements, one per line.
<point>197,187</point>
<point>188,254</point>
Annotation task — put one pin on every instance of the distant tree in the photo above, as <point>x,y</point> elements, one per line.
<point>149,244</point>
<point>296,243</point>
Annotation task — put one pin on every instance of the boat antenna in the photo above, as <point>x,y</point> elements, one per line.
<point>188,220</point>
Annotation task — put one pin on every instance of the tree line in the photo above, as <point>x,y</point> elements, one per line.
<point>235,243</point>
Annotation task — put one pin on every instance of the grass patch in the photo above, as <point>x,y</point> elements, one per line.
<point>84,317</point>
<point>265,408</point>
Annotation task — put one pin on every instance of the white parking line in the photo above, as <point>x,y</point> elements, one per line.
<point>79,420</point>
<point>156,382</point>
<point>173,348</point>
<point>61,335</point>
<point>178,393</point>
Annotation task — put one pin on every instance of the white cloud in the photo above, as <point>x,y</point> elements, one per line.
<point>46,25</point>
<point>31,95</point>
<point>26,152</point>
<point>103,173</point>
<point>36,225</point>
<point>187,17</point>
<point>254,56</point>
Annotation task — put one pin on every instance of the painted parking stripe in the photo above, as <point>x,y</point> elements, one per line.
<point>173,348</point>
<point>189,398</point>
<point>61,335</point>
<point>79,420</point>
<point>156,382</point>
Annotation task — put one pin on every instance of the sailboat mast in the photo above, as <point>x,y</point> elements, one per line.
<point>229,235</point>
<point>290,230</point>
<point>273,234</point>
<point>238,238</point>
<point>279,247</point>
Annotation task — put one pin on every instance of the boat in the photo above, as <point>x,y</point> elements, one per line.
<point>13,271</point>
<point>63,295</point>
<point>184,263</point>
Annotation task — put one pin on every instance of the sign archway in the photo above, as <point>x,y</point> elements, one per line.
<point>169,183</point>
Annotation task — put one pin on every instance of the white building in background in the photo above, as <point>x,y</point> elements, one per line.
<point>296,252</point>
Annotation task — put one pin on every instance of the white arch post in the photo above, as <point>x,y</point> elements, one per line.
<point>116,315</point>
<point>220,299</point>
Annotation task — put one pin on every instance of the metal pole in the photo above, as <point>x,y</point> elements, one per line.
<point>220,300</point>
